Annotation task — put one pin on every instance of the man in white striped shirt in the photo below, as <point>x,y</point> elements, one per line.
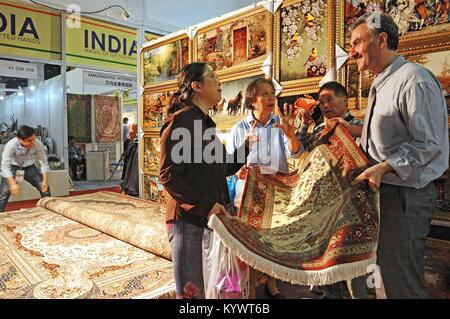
<point>18,165</point>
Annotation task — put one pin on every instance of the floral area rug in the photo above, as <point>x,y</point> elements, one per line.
<point>107,118</point>
<point>44,255</point>
<point>131,220</point>
<point>310,226</point>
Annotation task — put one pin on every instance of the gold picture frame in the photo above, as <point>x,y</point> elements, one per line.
<point>421,27</point>
<point>153,189</point>
<point>236,46</point>
<point>155,107</point>
<point>150,159</point>
<point>162,60</point>
<point>301,56</point>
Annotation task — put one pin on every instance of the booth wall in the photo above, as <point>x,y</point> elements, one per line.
<point>40,107</point>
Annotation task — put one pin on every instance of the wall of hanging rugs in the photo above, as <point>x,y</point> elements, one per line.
<point>294,44</point>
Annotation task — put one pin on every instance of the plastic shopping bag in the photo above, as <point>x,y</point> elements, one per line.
<point>231,182</point>
<point>225,276</point>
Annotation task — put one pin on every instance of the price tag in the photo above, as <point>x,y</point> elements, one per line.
<point>20,176</point>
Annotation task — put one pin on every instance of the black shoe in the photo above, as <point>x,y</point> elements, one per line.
<point>279,296</point>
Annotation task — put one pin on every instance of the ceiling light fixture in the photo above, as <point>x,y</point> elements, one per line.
<point>125,15</point>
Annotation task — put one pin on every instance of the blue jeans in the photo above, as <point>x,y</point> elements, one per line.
<point>32,176</point>
<point>187,242</point>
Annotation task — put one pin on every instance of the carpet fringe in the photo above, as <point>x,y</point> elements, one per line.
<point>327,276</point>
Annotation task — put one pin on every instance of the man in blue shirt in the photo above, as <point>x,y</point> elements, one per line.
<point>18,165</point>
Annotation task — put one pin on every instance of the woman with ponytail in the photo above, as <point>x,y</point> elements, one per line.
<point>194,179</point>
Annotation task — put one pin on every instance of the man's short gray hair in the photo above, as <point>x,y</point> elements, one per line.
<point>379,22</point>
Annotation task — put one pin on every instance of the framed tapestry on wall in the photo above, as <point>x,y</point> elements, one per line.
<point>163,59</point>
<point>422,24</point>
<point>151,154</point>
<point>237,45</point>
<point>153,189</point>
<point>232,107</point>
<point>305,36</point>
<point>155,109</point>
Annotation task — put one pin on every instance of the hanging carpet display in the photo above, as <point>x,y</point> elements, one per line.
<point>79,117</point>
<point>107,118</point>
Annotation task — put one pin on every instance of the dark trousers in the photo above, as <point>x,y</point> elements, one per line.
<point>337,290</point>
<point>405,217</point>
<point>32,176</point>
<point>74,163</point>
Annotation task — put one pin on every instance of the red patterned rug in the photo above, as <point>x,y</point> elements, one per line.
<point>311,226</point>
<point>107,118</point>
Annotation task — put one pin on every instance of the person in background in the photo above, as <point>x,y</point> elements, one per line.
<point>76,159</point>
<point>333,99</point>
<point>405,135</point>
<point>18,165</point>
<point>125,133</point>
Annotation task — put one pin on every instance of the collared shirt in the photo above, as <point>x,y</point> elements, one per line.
<point>126,131</point>
<point>16,154</point>
<point>408,129</point>
<point>272,147</point>
<point>308,139</point>
<point>194,182</point>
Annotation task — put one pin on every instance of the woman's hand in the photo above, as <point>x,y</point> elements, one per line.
<point>217,209</point>
<point>287,125</point>
<point>287,121</point>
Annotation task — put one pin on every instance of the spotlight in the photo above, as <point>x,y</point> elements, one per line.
<point>32,87</point>
<point>20,92</point>
<point>2,97</point>
<point>125,15</point>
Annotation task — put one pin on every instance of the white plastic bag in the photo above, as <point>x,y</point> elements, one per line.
<point>225,276</point>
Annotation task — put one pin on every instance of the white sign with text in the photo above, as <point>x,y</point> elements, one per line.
<point>18,69</point>
<point>112,80</point>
